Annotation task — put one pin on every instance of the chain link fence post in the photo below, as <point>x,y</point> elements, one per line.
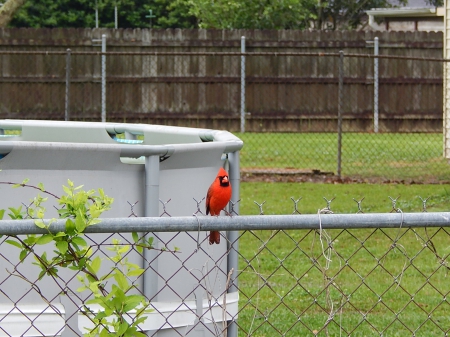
<point>103,78</point>
<point>242,84</point>
<point>67,103</point>
<point>340,103</point>
<point>233,236</point>
<point>375,85</point>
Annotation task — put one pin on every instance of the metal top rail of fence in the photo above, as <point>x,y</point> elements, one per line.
<point>235,223</point>
<point>218,53</point>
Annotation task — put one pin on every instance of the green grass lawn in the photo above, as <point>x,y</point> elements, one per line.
<point>370,286</point>
<point>376,197</point>
<point>416,156</point>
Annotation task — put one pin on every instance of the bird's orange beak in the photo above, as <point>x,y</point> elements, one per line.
<point>225,179</point>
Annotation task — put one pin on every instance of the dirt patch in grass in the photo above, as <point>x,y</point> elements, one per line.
<point>294,175</point>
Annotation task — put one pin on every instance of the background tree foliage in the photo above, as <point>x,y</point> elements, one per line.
<point>81,13</point>
<point>346,14</point>
<point>8,10</point>
<point>251,14</point>
<point>219,14</point>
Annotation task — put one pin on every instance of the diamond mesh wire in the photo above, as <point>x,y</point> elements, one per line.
<point>291,105</point>
<point>290,282</point>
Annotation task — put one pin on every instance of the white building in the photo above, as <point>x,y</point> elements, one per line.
<point>416,16</point>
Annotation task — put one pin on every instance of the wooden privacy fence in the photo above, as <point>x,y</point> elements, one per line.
<point>193,78</point>
<point>283,91</point>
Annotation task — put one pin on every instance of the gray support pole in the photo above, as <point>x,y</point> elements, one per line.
<point>239,223</point>
<point>243,84</point>
<point>67,103</point>
<point>233,236</point>
<point>103,78</point>
<point>116,19</point>
<point>151,209</point>
<point>340,102</point>
<point>96,14</point>
<point>375,85</point>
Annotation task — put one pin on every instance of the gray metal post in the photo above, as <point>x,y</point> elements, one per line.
<point>103,78</point>
<point>151,186</point>
<point>340,102</point>
<point>375,85</point>
<point>116,19</point>
<point>233,236</point>
<point>151,209</point>
<point>96,14</point>
<point>243,84</point>
<point>67,104</point>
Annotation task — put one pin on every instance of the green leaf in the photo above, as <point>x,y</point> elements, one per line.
<point>2,213</point>
<point>135,237</point>
<point>70,226</point>
<point>60,234</point>
<point>105,333</point>
<point>62,246</point>
<point>122,328</point>
<point>136,272</point>
<point>132,302</point>
<point>150,241</point>
<point>100,315</point>
<point>30,240</point>
<point>52,271</point>
<point>23,255</point>
<point>140,320</point>
<point>41,186</point>
<point>44,239</point>
<point>80,187</point>
<point>139,334</point>
<point>39,223</point>
<point>122,281</point>
<point>118,300</point>
<point>93,286</point>
<point>14,243</point>
<point>79,241</point>
<point>15,213</point>
<point>122,250</point>
<point>96,263</point>
<point>94,221</point>
<point>40,214</point>
<point>81,289</point>
<point>80,224</point>
<point>132,265</point>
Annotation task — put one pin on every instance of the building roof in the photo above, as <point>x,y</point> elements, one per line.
<point>406,11</point>
<point>413,8</point>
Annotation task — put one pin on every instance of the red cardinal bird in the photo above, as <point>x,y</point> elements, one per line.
<point>219,194</point>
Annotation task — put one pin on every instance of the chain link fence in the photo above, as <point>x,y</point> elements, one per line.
<point>325,115</point>
<point>305,115</point>
<point>321,274</point>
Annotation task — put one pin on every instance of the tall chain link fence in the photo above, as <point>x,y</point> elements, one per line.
<point>321,274</point>
<point>347,116</point>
